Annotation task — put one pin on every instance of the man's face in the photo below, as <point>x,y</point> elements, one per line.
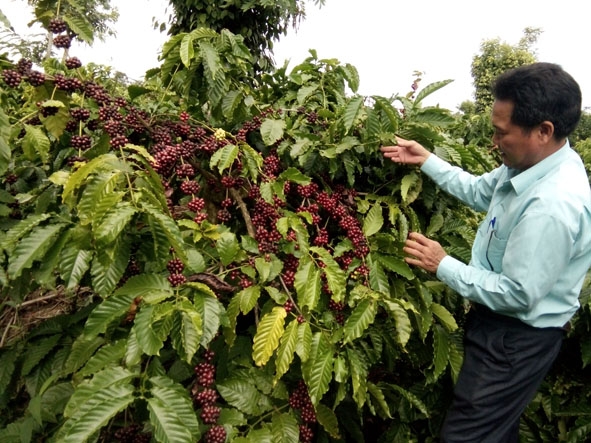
<point>519,149</point>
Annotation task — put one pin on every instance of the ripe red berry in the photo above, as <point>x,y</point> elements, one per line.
<point>175,266</point>
<point>215,434</point>
<point>210,414</point>
<point>57,25</point>
<point>12,78</point>
<point>176,279</point>
<point>205,373</point>
<point>73,63</point>
<point>207,396</point>
<point>62,41</point>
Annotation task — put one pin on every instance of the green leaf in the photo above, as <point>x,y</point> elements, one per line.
<point>285,428</point>
<point>218,88</point>
<point>99,197</point>
<point>149,335</point>
<point>176,395</point>
<point>435,224</point>
<point>8,358</point>
<point>37,352</point>
<point>211,312</point>
<point>133,353</point>
<point>350,74</point>
<point>82,349</point>
<point>109,265</point>
<point>241,394</point>
<point>136,91</point>
<point>22,228</point>
<point>444,317</point>
<point>248,298</point>
<point>379,397</point>
<point>304,343</point>
<point>351,112</point>
<point>152,288</point>
<point>186,330</point>
<point>81,27</point>
<point>36,144</point>
<point>167,226</point>
<point>440,351</point>
<point>336,277</point>
<point>268,268</point>
<point>359,372</point>
<point>4,141</point>
<point>105,162</point>
<point>294,175</point>
<point>308,284</point>
<point>97,410</point>
<point>430,89</point>
<point>228,247</point>
<point>33,247</point>
<point>171,412</point>
<point>317,370</point>
<point>272,130</point>
<point>54,400</point>
<point>391,113</point>
<point>403,324</point>
<point>411,187</point>
<point>328,420</point>
<point>269,331</point>
<point>211,59</point>
<point>74,264</point>
<point>304,92</point>
<point>187,51</point>
<point>224,158</point>
<point>231,102</point>
<point>110,310</point>
<point>412,399</point>
<point>396,265</point>
<point>109,355</point>
<point>362,316</point>
<point>114,222</point>
<point>285,352</point>
<point>373,221</point>
<point>252,160</point>
<point>378,280</point>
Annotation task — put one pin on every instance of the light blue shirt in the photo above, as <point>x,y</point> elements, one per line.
<point>533,249</point>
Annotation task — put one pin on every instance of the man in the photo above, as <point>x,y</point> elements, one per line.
<point>530,255</point>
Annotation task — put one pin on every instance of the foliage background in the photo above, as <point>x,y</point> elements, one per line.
<point>179,255</point>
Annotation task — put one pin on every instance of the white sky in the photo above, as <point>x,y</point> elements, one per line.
<point>386,40</point>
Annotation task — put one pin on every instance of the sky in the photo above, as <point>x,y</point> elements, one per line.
<point>386,40</point>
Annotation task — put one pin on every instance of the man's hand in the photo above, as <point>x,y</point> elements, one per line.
<point>423,252</point>
<point>406,151</point>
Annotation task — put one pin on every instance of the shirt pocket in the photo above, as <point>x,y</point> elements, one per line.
<point>495,251</point>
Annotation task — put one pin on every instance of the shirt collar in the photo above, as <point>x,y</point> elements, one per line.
<point>524,179</point>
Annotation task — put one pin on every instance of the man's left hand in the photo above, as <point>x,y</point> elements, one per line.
<point>423,252</point>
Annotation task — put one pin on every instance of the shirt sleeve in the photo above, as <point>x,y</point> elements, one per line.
<point>474,191</point>
<point>537,253</point>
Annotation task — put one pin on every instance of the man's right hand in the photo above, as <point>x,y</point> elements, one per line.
<point>408,152</point>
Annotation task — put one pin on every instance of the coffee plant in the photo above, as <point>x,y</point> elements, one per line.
<point>208,257</point>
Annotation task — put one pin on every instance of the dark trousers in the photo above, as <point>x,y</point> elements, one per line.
<point>505,361</point>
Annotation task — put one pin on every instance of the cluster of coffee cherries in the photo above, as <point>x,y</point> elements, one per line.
<point>299,400</point>
<point>59,28</point>
<point>205,398</point>
<point>132,434</point>
<point>175,268</point>
<point>337,308</point>
<point>23,71</point>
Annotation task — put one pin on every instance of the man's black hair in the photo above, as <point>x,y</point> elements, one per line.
<point>541,92</point>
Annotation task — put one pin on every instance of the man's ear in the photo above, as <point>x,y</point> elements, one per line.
<point>546,131</point>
